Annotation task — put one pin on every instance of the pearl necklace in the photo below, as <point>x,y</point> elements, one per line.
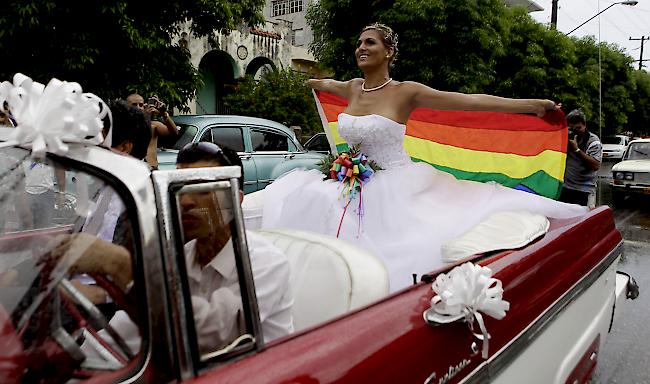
<point>363,86</point>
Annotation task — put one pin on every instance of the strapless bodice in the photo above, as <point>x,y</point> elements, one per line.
<point>378,137</point>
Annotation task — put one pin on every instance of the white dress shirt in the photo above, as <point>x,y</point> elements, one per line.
<point>216,299</point>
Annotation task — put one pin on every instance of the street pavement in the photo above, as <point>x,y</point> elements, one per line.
<point>625,357</point>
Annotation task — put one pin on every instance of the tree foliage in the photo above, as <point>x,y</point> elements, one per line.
<point>280,96</point>
<point>114,47</point>
<point>433,35</point>
<point>479,46</point>
<point>639,119</point>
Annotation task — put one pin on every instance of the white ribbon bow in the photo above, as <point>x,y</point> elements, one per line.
<point>50,116</point>
<point>463,293</point>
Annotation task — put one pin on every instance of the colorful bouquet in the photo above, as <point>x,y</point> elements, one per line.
<point>352,168</point>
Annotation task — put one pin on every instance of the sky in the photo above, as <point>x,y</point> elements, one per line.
<point>617,24</point>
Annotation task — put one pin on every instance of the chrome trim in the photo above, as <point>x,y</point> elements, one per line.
<point>272,153</point>
<point>134,177</point>
<point>508,353</point>
<point>248,295</point>
<point>178,312</point>
<point>96,317</point>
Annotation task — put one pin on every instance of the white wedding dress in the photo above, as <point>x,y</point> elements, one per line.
<point>409,209</point>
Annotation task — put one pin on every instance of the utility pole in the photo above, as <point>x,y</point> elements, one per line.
<point>643,39</point>
<point>554,15</point>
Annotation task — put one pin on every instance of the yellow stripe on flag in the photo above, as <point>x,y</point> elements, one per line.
<point>334,128</point>
<point>511,165</point>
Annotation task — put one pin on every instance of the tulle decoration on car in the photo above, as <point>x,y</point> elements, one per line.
<point>53,115</point>
<point>462,294</point>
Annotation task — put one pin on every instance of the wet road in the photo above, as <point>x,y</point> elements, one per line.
<point>625,357</point>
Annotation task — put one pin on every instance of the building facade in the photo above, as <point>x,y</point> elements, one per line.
<point>293,12</point>
<point>230,55</point>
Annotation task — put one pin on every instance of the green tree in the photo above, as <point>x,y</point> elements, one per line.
<point>280,96</point>
<point>536,62</point>
<point>617,83</point>
<point>114,47</point>
<point>639,120</point>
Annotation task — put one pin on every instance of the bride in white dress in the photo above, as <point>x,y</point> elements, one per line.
<point>408,209</point>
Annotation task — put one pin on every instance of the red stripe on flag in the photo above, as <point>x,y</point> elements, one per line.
<point>551,121</point>
<point>526,143</point>
<point>330,98</point>
<point>332,111</point>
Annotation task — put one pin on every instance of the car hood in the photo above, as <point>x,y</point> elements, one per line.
<point>613,147</point>
<point>632,166</point>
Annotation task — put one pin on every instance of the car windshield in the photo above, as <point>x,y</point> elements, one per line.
<point>638,151</point>
<point>186,133</point>
<point>57,224</point>
<point>613,140</point>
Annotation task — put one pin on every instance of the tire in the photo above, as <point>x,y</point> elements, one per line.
<point>618,198</point>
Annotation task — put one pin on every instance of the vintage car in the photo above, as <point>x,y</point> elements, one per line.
<point>318,143</point>
<point>614,147</point>
<point>267,149</point>
<point>103,283</point>
<point>562,290</point>
<point>632,174</point>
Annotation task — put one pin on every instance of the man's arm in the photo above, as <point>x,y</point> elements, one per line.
<point>167,127</point>
<point>89,254</point>
<point>592,157</point>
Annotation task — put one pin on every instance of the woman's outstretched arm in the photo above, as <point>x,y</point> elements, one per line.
<point>340,88</point>
<point>426,97</point>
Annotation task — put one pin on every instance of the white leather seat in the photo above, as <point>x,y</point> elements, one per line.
<point>329,277</point>
<point>252,208</point>
<point>500,230</point>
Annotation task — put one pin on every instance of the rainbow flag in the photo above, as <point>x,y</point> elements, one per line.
<point>519,151</point>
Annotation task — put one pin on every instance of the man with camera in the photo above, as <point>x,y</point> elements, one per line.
<point>162,123</point>
<point>584,155</point>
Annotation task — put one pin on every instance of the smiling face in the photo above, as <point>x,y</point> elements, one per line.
<point>371,50</point>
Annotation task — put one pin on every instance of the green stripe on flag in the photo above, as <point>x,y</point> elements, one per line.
<point>540,182</point>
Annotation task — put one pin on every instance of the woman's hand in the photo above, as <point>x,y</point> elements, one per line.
<point>546,105</point>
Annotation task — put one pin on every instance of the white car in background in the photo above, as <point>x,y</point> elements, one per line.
<point>632,174</point>
<point>614,146</point>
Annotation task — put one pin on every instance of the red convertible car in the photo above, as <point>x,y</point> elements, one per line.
<point>55,323</point>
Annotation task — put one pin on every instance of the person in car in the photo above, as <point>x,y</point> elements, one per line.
<point>209,255</point>
<point>130,135</point>
<point>407,210</point>
<point>210,259</point>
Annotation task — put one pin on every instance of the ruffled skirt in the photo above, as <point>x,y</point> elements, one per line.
<point>406,213</point>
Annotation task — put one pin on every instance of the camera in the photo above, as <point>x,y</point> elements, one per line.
<point>159,105</point>
<point>572,134</point>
